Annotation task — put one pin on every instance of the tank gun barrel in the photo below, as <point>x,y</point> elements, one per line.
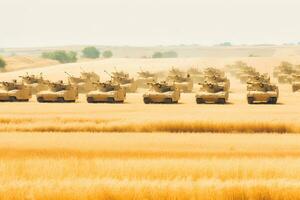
<point>108,73</point>
<point>68,74</point>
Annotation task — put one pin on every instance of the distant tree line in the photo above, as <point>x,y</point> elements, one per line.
<point>93,52</point>
<point>71,56</point>
<point>61,56</point>
<point>167,54</point>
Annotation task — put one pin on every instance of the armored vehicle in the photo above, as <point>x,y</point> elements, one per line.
<point>162,93</point>
<point>262,92</point>
<point>223,81</point>
<point>175,71</point>
<point>184,84</point>
<point>35,83</point>
<point>145,77</point>
<point>261,78</point>
<point>296,82</point>
<point>128,84</point>
<point>284,78</point>
<point>106,92</point>
<point>283,68</point>
<point>13,91</point>
<point>84,83</point>
<point>58,92</point>
<point>212,92</point>
<point>196,74</point>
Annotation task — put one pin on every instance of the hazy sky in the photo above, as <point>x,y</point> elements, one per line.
<point>28,23</point>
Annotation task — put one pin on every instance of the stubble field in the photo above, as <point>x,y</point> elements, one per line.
<point>137,151</point>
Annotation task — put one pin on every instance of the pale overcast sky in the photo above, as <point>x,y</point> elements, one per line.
<point>29,23</point>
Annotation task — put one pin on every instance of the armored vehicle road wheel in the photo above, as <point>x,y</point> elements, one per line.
<point>147,100</point>
<point>90,100</point>
<point>168,100</point>
<point>221,101</point>
<point>272,100</point>
<point>199,101</point>
<point>40,99</point>
<point>60,100</point>
<point>12,99</point>
<point>110,100</point>
<point>250,100</point>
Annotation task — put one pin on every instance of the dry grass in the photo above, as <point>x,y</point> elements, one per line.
<point>73,124</point>
<point>54,151</point>
<point>149,166</point>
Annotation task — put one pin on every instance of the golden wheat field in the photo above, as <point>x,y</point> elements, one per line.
<point>136,151</point>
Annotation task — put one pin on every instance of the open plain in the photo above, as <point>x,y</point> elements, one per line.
<point>138,151</point>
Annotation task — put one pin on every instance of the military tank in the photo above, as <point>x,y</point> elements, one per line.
<point>34,82</point>
<point>262,92</point>
<point>212,92</point>
<point>14,91</point>
<point>107,92</point>
<point>175,71</point>
<point>84,83</point>
<point>184,84</point>
<point>196,74</point>
<point>283,68</point>
<point>125,82</point>
<point>58,92</point>
<point>296,82</point>
<point>220,80</point>
<point>162,92</point>
<point>145,77</point>
<point>236,68</point>
<point>264,78</point>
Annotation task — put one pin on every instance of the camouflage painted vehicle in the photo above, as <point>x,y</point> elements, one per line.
<point>221,80</point>
<point>262,92</point>
<point>196,75</point>
<point>261,78</point>
<point>175,71</point>
<point>145,77</point>
<point>296,82</point>
<point>128,84</point>
<point>162,93</point>
<point>212,93</point>
<point>106,92</point>
<point>284,78</point>
<point>120,73</point>
<point>14,92</point>
<point>283,68</point>
<point>236,68</point>
<point>211,71</point>
<point>58,92</point>
<point>84,83</point>
<point>184,84</point>
<point>35,83</point>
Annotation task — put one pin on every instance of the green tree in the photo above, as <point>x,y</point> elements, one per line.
<point>170,54</point>
<point>91,52</point>
<point>225,44</point>
<point>107,54</point>
<point>157,55</point>
<point>2,63</point>
<point>61,56</point>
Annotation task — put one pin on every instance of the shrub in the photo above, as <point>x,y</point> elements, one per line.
<point>61,56</point>
<point>2,63</point>
<point>167,54</point>
<point>107,54</point>
<point>91,52</point>
<point>170,54</point>
<point>157,55</point>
